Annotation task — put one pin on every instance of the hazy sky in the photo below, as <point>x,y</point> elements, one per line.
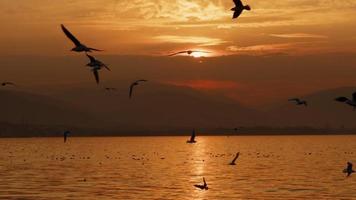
<point>317,38</point>
<point>156,27</point>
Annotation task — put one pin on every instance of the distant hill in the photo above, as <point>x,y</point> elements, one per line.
<point>27,108</point>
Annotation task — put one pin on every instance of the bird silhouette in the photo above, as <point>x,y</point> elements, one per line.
<point>65,135</point>
<point>133,85</point>
<point>239,7</point>
<point>96,65</point>
<point>234,160</point>
<point>7,83</point>
<point>192,138</point>
<point>202,187</point>
<point>299,101</point>
<point>349,169</point>
<point>189,52</point>
<point>350,102</point>
<point>79,47</point>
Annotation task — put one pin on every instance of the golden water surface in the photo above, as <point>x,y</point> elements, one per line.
<point>269,167</point>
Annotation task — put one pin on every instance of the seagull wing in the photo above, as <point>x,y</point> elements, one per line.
<point>342,99</point>
<point>354,96</point>
<point>106,67</point>
<point>204,182</point>
<point>131,89</point>
<point>237,155</point>
<point>192,137</point>
<point>70,36</point>
<point>95,49</point>
<point>92,59</point>
<point>178,53</point>
<point>237,13</point>
<point>142,80</point>
<point>238,3</point>
<point>96,75</point>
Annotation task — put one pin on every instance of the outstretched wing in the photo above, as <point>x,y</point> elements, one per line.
<point>131,89</point>
<point>96,75</point>
<point>238,3</point>
<point>178,53</point>
<point>70,36</point>
<point>106,67</point>
<point>237,155</point>
<point>192,137</point>
<point>237,13</point>
<point>92,59</point>
<point>342,99</point>
<point>204,182</point>
<point>142,80</point>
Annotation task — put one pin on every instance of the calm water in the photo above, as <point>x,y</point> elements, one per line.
<point>269,167</point>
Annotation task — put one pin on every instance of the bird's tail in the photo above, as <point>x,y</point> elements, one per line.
<point>247,7</point>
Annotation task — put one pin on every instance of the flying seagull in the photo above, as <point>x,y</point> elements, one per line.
<point>239,7</point>
<point>202,187</point>
<point>96,65</point>
<point>233,161</point>
<point>65,135</point>
<point>348,101</point>
<point>135,84</point>
<point>349,169</point>
<point>79,47</point>
<point>192,138</point>
<point>189,52</point>
<point>299,102</point>
<point>7,83</point>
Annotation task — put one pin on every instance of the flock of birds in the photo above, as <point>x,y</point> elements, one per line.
<point>96,65</point>
<point>350,102</point>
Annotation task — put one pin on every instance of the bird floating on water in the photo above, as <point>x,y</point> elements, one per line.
<point>202,187</point>
<point>7,83</point>
<point>189,52</point>
<point>65,135</point>
<point>299,101</point>
<point>239,7</point>
<point>96,65</point>
<point>349,169</point>
<point>79,47</point>
<point>135,84</point>
<point>192,138</point>
<point>348,101</point>
<point>234,160</point>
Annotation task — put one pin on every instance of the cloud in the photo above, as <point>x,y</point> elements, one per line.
<point>205,84</point>
<point>299,35</point>
<point>261,49</point>
<point>201,41</point>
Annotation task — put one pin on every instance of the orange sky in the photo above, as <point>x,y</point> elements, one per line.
<point>156,27</point>
<point>272,29</point>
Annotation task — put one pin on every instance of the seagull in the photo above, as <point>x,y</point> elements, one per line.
<point>7,83</point>
<point>79,47</point>
<point>349,169</point>
<point>348,101</point>
<point>202,187</point>
<point>189,52</point>
<point>65,135</point>
<point>192,138</point>
<point>239,7</point>
<point>135,84</point>
<point>233,161</point>
<point>96,65</point>
<point>299,102</point>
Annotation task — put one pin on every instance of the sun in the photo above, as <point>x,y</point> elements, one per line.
<point>198,54</point>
